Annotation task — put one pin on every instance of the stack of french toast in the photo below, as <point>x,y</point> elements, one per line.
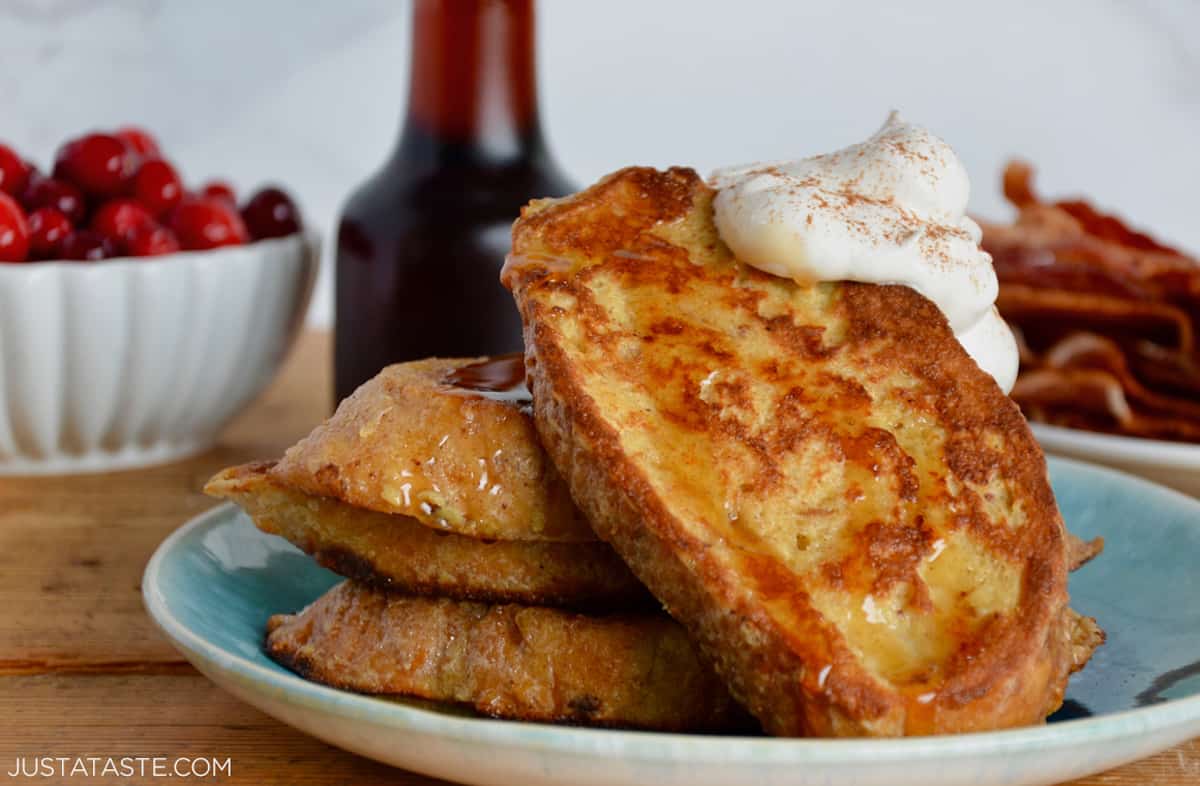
<point>705,499</point>
<point>472,577</point>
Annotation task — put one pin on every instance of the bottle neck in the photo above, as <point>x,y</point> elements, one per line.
<point>472,95</point>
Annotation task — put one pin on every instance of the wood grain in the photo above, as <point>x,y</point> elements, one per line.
<point>83,671</point>
<point>171,716</point>
<point>72,549</point>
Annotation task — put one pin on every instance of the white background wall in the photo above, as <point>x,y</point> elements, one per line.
<point>1104,95</point>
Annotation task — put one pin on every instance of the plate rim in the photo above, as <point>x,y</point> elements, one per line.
<point>1118,447</point>
<point>648,745</point>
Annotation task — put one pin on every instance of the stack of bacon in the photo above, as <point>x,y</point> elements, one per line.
<point>1106,318</point>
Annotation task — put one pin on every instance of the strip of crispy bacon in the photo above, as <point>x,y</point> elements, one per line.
<point>1045,315</point>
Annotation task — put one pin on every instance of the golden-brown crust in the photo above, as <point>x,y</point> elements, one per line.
<point>850,517</point>
<point>397,553</point>
<point>1080,552</point>
<point>1086,636</point>
<point>509,661</point>
<point>408,443</point>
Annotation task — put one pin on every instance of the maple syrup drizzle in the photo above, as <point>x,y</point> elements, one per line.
<point>501,377</point>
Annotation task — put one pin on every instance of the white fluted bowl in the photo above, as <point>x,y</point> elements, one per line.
<point>129,362</point>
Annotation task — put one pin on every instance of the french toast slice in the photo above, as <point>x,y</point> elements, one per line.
<point>397,553</point>
<point>509,661</point>
<point>425,440</point>
<point>851,519</point>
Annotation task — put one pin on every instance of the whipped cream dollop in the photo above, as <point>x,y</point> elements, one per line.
<point>890,210</point>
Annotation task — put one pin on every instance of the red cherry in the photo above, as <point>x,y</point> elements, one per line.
<point>47,230</point>
<point>58,194</point>
<point>139,141</point>
<point>87,246</point>
<point>219,189</point>
<point>117,220</point>
<point>158,186</point>
<point>151,240</point>
<point>100,164</point>
<point>271,213</point>
<point>207,223</point>
<point>14,231</point>
<point>14,172</point>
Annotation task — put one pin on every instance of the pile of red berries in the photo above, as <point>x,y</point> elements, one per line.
<point>116,195</point>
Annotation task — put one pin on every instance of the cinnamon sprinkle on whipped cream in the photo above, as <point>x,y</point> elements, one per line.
<point>890,210</point>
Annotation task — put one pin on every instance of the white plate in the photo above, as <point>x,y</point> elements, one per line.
<point>1174,464</point>
<point>213,583</point>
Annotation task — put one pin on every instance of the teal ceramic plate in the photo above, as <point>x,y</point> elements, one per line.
<point>213,583</point>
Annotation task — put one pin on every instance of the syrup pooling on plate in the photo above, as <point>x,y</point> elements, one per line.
<point>500,378</point>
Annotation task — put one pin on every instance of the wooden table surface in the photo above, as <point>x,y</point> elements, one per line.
<point>83,670</point>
